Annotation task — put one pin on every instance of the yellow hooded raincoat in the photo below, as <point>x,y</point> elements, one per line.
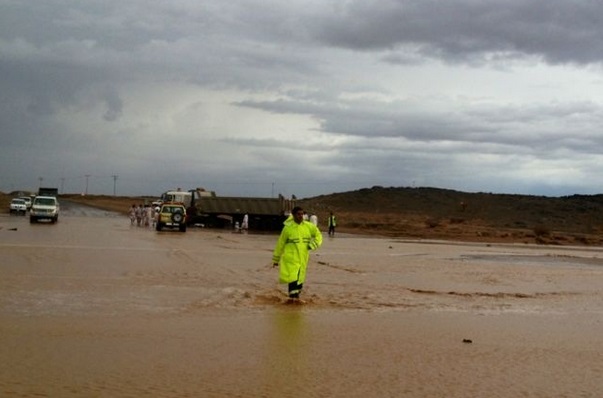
<point>292,250</point>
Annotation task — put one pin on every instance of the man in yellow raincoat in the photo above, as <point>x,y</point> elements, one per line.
<point>292,251</point>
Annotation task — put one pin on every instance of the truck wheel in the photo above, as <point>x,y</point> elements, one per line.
<point>158,226</point>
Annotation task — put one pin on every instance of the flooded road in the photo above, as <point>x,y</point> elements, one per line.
<point>94,307</point>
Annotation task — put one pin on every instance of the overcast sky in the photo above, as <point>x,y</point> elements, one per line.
<point>301,97</point>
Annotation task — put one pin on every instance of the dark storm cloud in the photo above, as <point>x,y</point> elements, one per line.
<point>89,81</point>
<point>573,126</point>
<point>32,94</point>
<point>558,31</point>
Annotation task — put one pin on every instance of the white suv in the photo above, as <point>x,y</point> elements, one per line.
<point>18,206</point>
<point>44,208</point>
<point>27,200</point>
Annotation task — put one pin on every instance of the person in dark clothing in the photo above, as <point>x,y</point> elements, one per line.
<point>332,222</point>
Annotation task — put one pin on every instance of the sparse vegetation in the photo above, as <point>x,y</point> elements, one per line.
<point>476,216</point>
<point>541,231</point>
<point>432,222</point>
<point>429,213</point>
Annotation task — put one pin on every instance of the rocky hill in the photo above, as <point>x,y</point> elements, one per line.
<point>448,214</point>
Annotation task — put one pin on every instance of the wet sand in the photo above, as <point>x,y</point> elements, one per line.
<point>92,307</point>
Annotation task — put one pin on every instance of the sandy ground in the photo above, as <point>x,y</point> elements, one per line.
<point>92,307</point>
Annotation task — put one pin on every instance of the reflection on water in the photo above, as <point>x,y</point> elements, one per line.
<point>286,361</point>
<point>539,260</point>
<point>101,309</point>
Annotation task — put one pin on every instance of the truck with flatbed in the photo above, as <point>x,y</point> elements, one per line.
<point>205,208</point>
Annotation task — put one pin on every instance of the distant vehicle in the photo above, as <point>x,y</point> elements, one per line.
<point>171,215</point>
<point>27,200</point>
<point>187,198</point>
<point>207,209</point>
<point>45,191</point>
<point>44,208</point>
<point>18,206</point>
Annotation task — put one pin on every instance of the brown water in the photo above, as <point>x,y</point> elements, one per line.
<point>91,307</point>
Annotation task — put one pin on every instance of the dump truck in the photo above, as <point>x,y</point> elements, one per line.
<point>187,198</point>
<point>205,208</point>
<point>45,191</point>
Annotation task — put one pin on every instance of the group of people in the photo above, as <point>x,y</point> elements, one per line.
<point>143,215</point>
<point>243,226</point>
<point>331,222</point>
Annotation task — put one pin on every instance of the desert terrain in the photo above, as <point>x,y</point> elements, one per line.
<point>432,213</point>
<point>94,307</point>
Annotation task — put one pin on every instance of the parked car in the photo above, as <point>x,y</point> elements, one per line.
<point>27,200</point>
<point>44,208</point>
<point>171,215</point>
<point>18,206</point>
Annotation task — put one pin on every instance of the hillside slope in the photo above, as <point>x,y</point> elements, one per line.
<point>449,214</point>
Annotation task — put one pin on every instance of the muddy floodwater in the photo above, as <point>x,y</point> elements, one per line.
<point>94,307</point>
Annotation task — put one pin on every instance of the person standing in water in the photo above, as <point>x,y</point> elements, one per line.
<point>332,222</point>
<point>292,251</point>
